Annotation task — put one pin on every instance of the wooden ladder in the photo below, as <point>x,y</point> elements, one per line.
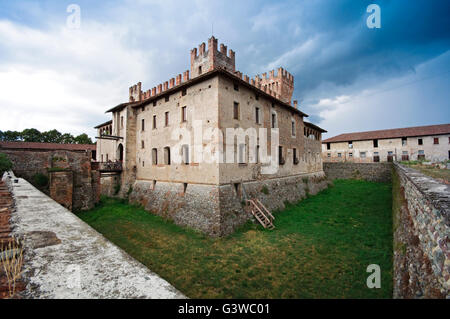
<point>261,213</point>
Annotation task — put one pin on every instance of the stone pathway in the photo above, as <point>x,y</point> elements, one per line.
<point>66,258</point>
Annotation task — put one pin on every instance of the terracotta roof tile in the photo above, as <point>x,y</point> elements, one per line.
<point>392,133</point>
<point>47,146</point>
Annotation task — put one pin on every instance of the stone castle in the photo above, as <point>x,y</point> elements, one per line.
<point>148,151</point>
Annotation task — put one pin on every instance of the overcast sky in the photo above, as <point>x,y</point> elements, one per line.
<point>347,77</point>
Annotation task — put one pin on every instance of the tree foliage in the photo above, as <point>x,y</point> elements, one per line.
<point>5,164</point>
<point>52,136</point>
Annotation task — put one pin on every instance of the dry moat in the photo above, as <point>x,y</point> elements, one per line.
<point>320,248</point>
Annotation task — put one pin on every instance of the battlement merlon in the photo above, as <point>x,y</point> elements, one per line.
<point>216,56</point>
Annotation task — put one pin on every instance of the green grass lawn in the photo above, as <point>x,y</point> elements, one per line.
<point>320,248</point>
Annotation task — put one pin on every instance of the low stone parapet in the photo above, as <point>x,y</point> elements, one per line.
<point>66,258</point>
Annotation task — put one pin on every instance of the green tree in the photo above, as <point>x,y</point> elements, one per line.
<point>52,136</point>
<point>31,135</point>
<point>83,139</point>
<point>5,164</point>
<point>67,138</point>
<point>10,136</point>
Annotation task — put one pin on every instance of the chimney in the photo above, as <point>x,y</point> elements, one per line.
<point>296,104</point>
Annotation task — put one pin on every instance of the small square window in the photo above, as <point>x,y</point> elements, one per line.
<point>183,92</point>
<point>154,103</point>
<point>328,154</point>
<point>339,155</point>
<point>362,154</point>
<point>236,87</point>
<point>166,98</point>
<point>420,141</point>
<point>436,140</point>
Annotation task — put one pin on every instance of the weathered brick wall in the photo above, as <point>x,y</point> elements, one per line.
<point>26,163</point>
<point>376,172</point>
<point>61,188</point>
<point>110,184</point>
<point>219,210</point>
<point>421,209</point>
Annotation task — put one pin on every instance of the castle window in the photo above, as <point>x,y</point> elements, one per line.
<point>102,157</point>
<point>403,141</point>
<point>121,122</point>
<point>166,119</point>
<point>183,92</point>
<point>274,120</point>
<point>143,125</point>
<point>154,121</point>
<point>350,154</point>
<point>241,153</point>
<point>436,140</point>
<point>362,154</point>
<point>257,116</point>
<point>236,87</point>
<point>154,103</point>
<point>328,146</point>
<point>328,154</point>
<point>294,156</point>
<point>256,97</point>
<point>257,154</point>
<point>154,156</point>
<point>183,114</point>
<point>199,70</point>
<point>236,111</point>
<point>142,144</point>
<point>107,159</point>
<point>339,155</point>
<point>185,154</point>
<point>375,143</point>
<point>350,144</point>
<point>166,99</point>
<point>293,128</point>
<point>420,141</point>
<point>167,155</point>
<point>280,155</point>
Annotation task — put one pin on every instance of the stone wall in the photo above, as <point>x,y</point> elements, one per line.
<point>61,188</point>
<point>218,210</point>
<point>421,209</point>
<point>376,172</point>
<point>110,184</point>
<point>27,163</point>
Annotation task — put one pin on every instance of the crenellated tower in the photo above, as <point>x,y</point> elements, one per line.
<point>282,84</point>
<point>204,60</point>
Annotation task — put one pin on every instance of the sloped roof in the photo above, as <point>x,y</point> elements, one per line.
<point>313,126</point>
<point>103,124</point>
<point>47,146</point>
<point>391,133</point>
<point>204,76</point>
